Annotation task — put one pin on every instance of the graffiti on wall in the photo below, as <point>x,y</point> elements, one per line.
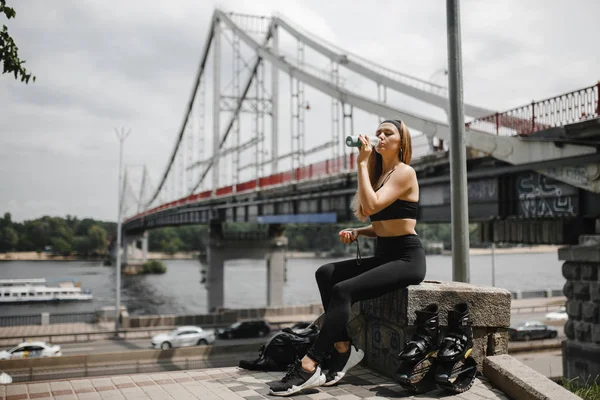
<point>384,346</point>
<point>540,196</point>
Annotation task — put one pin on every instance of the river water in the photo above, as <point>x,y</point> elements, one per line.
<point>180,289</point>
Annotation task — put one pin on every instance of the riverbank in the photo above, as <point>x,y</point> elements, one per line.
<point>34,256</point>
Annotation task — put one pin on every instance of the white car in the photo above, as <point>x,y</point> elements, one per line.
<point>183,336</point>
<point>31,350</point>
<point>5,379</point>
<point>558,315</point>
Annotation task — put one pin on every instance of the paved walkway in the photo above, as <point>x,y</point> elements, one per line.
<point>228,384</point>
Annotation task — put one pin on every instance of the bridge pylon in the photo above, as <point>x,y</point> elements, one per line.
<point>223,246</point>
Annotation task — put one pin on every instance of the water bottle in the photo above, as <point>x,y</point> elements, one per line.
<point>352,141</point>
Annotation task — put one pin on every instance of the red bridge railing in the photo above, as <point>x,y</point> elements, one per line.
<point>316,170</point>
<point>576,106</point>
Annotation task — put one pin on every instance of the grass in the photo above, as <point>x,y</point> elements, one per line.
<point>587,391</point>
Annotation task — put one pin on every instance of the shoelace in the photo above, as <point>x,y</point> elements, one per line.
<point>291,369</point>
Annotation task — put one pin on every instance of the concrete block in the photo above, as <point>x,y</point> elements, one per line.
<point>589,312</point>
<point>497,343</point>
<point>570,270</point>
<point>573,309</point>
<point>583,331</point>
<point>489,306</point>
<point>568,289</point>
<point>45,320</point>
<point>595,291</point>
<point>581,290</point>
<point>589,271</point>
<point>570,329</point>
<point>580,360</point>
<point>596,334</point>
<point>579,253</point>
<point>519,381</point>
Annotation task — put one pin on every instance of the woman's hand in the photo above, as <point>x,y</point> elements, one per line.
<point>365,150</point>
<point>348,236</point>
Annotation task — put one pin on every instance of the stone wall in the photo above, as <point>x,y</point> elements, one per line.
<point>581,350</point>
<point>381,326</point>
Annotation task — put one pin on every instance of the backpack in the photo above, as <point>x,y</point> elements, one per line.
<point>282,349</point>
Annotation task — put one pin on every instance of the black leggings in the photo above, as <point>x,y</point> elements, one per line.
<point>399,262</point>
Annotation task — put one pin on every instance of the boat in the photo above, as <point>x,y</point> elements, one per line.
<point>37,290</point>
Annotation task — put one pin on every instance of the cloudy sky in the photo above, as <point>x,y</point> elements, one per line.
<point>106,64</point>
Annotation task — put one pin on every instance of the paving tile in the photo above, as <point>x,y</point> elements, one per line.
<point>66,397</point>
<point>89,396</point>
<point>13,389</point>
<point>18,396</point>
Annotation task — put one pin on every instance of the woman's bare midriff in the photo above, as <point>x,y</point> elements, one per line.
<point>395,227</point>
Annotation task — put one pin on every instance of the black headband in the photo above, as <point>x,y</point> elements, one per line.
<point>397,124</point>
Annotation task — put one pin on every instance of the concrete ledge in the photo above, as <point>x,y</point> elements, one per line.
<point>382,325</point>
<point>521,382</point>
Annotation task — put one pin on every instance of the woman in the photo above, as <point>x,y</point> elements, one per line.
<point>388,194</point>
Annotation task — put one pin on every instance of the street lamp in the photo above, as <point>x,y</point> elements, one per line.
<point>458,157</point>
<point>121,135</point>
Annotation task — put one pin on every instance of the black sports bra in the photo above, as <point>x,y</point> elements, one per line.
<point>399,209</point>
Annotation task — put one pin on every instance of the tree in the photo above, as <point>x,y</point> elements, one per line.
<point>9,52</point>
<point>6,221</point>
<point>97,238</point>
<point>61,246</point>
<point>8,239</point>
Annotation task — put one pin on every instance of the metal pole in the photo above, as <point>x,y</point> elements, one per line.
<point>458,156</point>
<point>121,135</point>
<point>493,264</point>
<point>275,104</point>
<point>216,104</point>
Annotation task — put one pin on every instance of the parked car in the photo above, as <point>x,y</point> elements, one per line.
<point>183,336</point>
<point>559,315</point>
<point>5,379</point>
<point>531,330</point>
<point>31,350</point>
<point>245,329</point>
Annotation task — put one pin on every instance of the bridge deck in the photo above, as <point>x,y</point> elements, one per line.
<point>227,384</point>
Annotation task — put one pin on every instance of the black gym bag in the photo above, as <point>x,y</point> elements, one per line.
<point>282,349</point>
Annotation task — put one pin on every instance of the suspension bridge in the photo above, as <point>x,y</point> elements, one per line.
<point>262,138</point>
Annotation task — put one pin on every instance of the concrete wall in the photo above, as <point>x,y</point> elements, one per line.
<point>275,314</point>
<point>581,350</point>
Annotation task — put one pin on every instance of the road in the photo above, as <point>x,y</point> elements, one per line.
<point>548,363</point>
<point>113,346</point>
<point>110,346</point>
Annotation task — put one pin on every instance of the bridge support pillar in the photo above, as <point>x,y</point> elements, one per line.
<point>135,249</point>
<point>223,246</point>
<point>581,350</point>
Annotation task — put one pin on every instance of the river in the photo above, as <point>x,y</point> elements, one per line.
<point>180,289</point>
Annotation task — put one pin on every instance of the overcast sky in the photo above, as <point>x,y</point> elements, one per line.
<point>107,63</point>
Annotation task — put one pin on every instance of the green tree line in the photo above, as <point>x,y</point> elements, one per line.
<point>90,237</point>
<point>58,235</point>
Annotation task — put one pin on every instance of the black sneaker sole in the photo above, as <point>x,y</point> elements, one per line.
<point>318,379</point>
